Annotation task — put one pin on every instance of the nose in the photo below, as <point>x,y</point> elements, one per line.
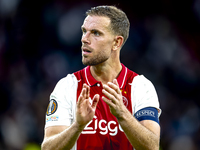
<point>85,38</point>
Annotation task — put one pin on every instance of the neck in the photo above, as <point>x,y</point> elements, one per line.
<point>106,72</point>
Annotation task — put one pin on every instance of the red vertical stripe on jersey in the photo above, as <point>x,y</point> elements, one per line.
<point>104,132</point>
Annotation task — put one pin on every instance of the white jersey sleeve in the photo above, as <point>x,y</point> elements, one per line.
<point>143,94</point>
<point>61,109</point>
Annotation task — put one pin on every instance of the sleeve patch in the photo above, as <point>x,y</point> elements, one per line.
<point>148,113</point>
<point>52,118</point>
<point>52,107</point>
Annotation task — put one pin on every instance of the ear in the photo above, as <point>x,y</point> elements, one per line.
<point>118,42</point>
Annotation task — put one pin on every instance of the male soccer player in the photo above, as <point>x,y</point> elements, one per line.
<point>104,106</point>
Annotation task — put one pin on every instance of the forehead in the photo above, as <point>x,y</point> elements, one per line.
<point>96,22</point>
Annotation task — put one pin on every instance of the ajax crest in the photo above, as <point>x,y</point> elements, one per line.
<point>125,101</point>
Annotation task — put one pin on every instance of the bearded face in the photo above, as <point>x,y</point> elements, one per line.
<point>97,40</point>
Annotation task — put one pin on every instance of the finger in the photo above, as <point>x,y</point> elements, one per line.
<point>109,95</point>
<point>95,101</point>
<point>82,96</point>
<point>80,100</point>
<point>115,82</point>
<point>83,91</point>
<point>114,85</point>
<point>87,92</point>
<point>107,101</point>
<point>109,91</point>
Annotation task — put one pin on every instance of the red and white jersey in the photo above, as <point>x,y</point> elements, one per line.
<point>104,131</point>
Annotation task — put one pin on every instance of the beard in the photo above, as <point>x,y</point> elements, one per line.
<point>95,60</point>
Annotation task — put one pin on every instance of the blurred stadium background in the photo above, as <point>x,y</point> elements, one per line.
<point>40,44</point>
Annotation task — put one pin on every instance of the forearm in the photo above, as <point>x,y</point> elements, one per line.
<point>139,136</point>
<point>64,140</point>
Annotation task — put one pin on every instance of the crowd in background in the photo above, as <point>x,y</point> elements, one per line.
<point>40,44</point>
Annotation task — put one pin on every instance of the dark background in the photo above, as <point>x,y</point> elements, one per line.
<point>40,44</point>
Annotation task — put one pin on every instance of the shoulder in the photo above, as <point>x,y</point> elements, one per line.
<point>65,86</point>
<point>126,76</point>
<point>142,81</point>
<point>143,86</point>
<point>66,82</point>
<point>80,74</point>
<point>69,83</point>
<point>72,78</point>
<point>136,79</point>
<point>144,93</point>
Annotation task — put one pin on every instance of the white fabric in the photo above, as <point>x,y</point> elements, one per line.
<point>65,94</point>
<point>143,95</point>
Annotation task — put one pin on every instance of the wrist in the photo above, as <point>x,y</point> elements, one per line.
<point>123,115</point>
<point>78,126</point>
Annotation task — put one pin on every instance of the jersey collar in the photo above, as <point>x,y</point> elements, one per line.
<point>92,81</point>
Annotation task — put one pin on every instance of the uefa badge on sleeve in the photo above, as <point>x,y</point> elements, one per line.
<point>52,107</point>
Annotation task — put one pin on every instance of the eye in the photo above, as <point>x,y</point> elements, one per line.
<point>96,33</point>
<point>83,30</point>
